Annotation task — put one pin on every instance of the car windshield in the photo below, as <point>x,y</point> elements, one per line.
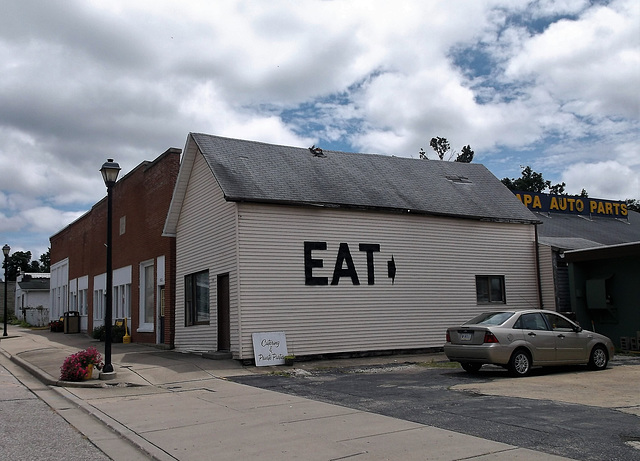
<point>490,318</point>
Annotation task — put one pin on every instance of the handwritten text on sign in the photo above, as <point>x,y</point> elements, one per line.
<point>269,348</point>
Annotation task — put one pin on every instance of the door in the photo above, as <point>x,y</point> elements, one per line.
<point>539,337</point>
<point>571,345</point>
<point>161,317</point>
<point>224,320</point>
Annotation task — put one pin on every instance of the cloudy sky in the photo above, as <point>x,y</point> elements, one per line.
<point>550,84</point>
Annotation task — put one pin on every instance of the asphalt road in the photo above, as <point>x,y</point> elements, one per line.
<point>448,398</point>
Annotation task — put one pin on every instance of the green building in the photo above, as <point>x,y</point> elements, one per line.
<point>605,291</point>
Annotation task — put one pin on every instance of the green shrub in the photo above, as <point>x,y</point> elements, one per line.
<point>98,333</point>
<point>117,332</point>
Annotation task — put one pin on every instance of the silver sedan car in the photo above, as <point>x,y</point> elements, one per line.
<point>519,340</point>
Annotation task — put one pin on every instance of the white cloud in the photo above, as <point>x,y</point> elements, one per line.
<point>591,64</point>
<point>47,219</point>
<point>607,180</point>
<point>548,83</point>
<point>546,8</point>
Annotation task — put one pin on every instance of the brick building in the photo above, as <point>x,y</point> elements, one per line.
<point>143,260</point>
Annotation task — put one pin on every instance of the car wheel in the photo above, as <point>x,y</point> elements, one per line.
<point>471,367</point>
<point>520,363</point>
<point>599,358</point>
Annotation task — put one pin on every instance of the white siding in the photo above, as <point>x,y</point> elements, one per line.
<point>437,260</point>
<point>546,277</point>
<point>59,287</point>
<point>262,249</point>
<point>206,239</point>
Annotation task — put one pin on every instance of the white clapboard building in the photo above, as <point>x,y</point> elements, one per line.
<point>342,252</point>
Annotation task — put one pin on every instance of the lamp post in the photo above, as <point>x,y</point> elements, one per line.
<point>109,171</point>
<point>5,250</point>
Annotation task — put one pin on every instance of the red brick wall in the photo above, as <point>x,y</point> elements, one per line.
<point>142,197</point>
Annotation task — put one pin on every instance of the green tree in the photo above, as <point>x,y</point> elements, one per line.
<point>633,204</point>
<point>441,146</point>
<point>17,262</point>
<point>532,181</point>
<point>20,261</point>
<point>45,261</point>
<point>443,149</point>
<point>466,156</point>
<point>557,189</point>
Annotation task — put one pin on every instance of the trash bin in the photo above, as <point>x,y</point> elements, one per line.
<point>71,322</point>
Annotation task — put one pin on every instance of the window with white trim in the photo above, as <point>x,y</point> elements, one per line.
<point>82,301</point>
<point>99,298</point>
<point>83,295</point>
<point>147,296</point>
<point>122,301</point>
<point>98,304</point>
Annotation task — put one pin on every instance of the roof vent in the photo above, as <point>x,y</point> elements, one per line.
<point>316,151</point>
<point>458,179</point>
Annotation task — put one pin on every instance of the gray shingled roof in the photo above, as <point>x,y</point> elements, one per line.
<point>258,172</point>
<point>572,232</point>
<point>35,284</point>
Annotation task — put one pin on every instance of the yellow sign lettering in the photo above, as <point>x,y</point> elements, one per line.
<point>609,207</point>
<point>572,204</point>
<point>536,202</point>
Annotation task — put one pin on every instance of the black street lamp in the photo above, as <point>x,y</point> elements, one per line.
<point>109,171</point>
<point>5,250</point>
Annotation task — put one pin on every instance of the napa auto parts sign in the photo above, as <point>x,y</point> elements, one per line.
<point>548,203</point>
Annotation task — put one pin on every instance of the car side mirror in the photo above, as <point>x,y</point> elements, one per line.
<point>577,328</point>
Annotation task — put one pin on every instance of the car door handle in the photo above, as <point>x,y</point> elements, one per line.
<point>561,336</point>
<point>531,333</point>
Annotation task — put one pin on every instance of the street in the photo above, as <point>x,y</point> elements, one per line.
<point>449,398</point>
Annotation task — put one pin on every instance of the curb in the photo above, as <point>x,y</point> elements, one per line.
<point>155,453</point>
<point>45,377</point>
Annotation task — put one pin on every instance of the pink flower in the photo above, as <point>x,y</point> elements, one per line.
<point>76,366</point>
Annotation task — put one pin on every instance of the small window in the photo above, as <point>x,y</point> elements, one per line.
<point>558,323</point>
<point>490,289</point>
<point>490,318</point>
<point>531,322</point>
<point>123,225</point>
<point>196,293</point>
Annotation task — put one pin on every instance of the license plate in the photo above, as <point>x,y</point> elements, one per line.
<point>465,336</point>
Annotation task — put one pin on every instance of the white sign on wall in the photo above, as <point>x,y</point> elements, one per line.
<point>269,348</point>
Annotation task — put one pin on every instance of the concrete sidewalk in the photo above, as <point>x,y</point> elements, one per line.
<point>179,406</point>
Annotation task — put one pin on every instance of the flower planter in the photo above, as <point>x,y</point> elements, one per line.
<point>89,374</point>
<point>80,366</point>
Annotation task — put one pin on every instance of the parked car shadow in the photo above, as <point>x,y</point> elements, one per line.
<point>497,372</point>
